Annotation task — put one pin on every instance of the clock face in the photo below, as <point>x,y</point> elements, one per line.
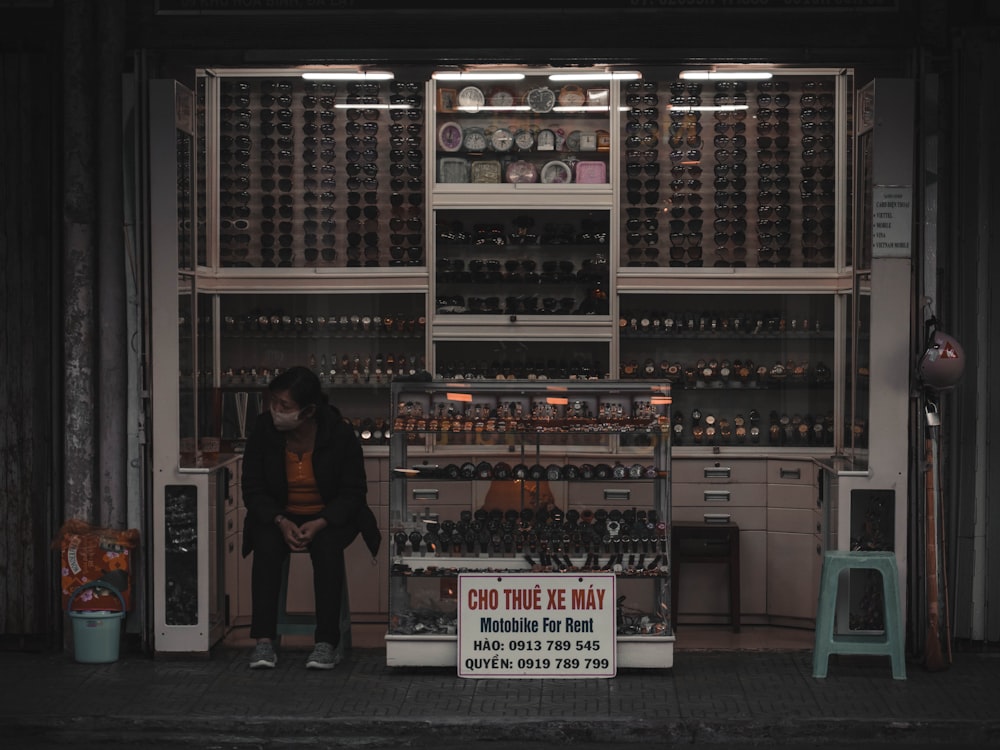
<point>471,96</point>
<point>572,96</point>
<point>474,140</point>
<point>524,140</point>
<point>546,140</point>
<point>501,140</point>
<point>521,171</point>
<point>501,98</point>
<point>541,99</point>
<point>450,136</point>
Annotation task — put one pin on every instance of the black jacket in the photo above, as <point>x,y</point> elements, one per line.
<point>338,464</point>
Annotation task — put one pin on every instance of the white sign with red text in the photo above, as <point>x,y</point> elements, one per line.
<point>536,625</point>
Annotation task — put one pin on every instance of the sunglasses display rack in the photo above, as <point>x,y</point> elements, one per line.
<point>320,174</point>
<point>729,174</point>
<point>522,253</point>
<point>552,496</point>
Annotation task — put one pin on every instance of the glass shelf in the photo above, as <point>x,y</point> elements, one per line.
<point>522,132</point>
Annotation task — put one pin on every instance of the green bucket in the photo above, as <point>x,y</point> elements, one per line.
<point>96,634</point>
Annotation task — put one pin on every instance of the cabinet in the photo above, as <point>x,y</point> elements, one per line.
<point>529,129</point>
<point>747,370</point>
<point>357,343</point>
<point>498,476</point>
<point>718,490</point>
<point>519,233</point>
<point>795,540</point>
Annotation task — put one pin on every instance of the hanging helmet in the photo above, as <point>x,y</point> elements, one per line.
<point>943,361</point>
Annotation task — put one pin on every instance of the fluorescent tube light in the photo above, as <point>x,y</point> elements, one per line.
<point>623,75</point>
<point>726,75</point>
<point>348,75</point>
<point>452,75</point>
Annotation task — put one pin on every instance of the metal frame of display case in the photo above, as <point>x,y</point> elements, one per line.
<point>524,423</point>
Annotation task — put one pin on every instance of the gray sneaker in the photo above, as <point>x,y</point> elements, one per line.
<point>263,656</point>
<point>323,656</point>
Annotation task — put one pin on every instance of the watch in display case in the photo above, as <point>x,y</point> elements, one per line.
<point>762,352</point>
<point>521,505</point>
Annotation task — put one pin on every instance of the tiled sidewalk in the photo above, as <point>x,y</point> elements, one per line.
<point>708,697</point>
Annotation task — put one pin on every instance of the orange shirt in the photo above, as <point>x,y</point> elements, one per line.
<point>303,494</point>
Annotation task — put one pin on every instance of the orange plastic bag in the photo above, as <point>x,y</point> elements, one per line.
<point>90,553</point>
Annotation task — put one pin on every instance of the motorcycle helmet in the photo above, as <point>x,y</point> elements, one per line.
<point>943,361</point>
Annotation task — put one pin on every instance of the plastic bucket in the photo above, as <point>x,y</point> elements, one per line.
<point>96,635</point>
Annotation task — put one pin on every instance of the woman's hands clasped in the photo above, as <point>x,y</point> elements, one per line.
<point>297,537</point>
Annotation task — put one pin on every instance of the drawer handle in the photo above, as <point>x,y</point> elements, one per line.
<point>716,496</point>
<point>718,472</point>
<point>789,473</point>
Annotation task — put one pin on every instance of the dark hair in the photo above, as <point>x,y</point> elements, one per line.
<point>303,385</point>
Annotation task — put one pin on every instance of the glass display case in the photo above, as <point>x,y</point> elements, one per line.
<point>735,174</point>
<point>531,128</point>
<point>318,174</point>
<point>516,477</point>
<point>750,369</point>
<point>357,344</point>
<point>522,262</point>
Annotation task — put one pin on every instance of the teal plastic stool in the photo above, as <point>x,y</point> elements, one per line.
<point>302,624</point>
<point>889,642</point>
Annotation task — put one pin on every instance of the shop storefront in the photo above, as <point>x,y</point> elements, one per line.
<point>768,250</point>
<point>594,230</point>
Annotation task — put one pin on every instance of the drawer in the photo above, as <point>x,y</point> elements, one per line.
<point>447,497</point>
<point>793,496</point>
<point>622,494</point>
<point>792,471</point>
<point>718,471</point>
<point>745,518</point>
<point>714,497</point>
<point>794,521</point>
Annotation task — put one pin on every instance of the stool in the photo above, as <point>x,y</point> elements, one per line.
<point>706,543</point>
<point>305,624</point>
<point>889,642</point>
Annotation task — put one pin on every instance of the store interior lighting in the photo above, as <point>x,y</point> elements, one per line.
<point>726,75</point>
<point>348,75</point>
<point>619,75</point>
<point>472,75</point>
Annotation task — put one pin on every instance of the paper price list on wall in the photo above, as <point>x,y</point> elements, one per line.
<point>536,625</point>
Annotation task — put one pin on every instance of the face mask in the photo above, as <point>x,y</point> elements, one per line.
<point>285,420</point>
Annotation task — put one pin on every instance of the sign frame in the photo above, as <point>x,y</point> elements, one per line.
<point>537,625</point>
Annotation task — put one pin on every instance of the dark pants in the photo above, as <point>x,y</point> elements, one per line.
<point>269,553</point>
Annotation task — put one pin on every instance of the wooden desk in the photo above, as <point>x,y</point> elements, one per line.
<point>706,543</point>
